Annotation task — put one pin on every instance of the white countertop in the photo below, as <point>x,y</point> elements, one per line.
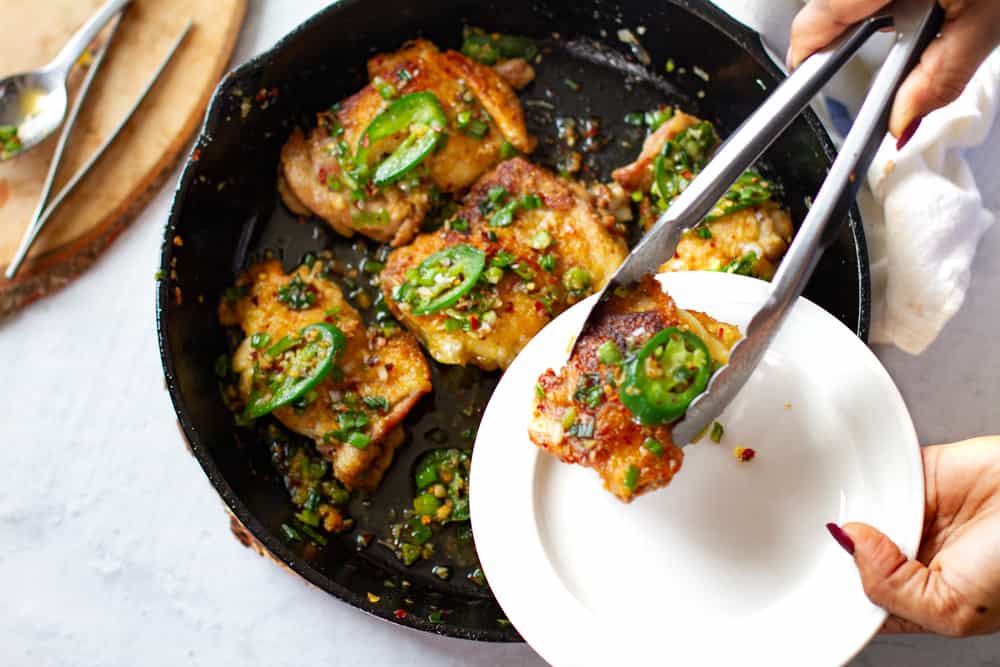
<point>115,550</point>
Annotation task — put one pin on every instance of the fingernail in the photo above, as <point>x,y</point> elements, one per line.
<point>843,539</point>
<point>908,133</point>
<point>788,59</point>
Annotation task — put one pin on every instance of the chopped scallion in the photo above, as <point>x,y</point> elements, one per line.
<point>507,150</point>
<point>290,533</point>
<point>477,129</point>
<point>631,478</point>
<point>358,440</point>
<point>653,446</point>
<point>608,353</point>
<point>541,240</point>
<point>715,435</point>
<point>380,403</point>
<point>569,417</point>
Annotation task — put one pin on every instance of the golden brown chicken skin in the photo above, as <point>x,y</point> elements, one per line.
<point>544,246</point>
<point>377,380</point>
<point>750,241</point>
<point>483,114</point>
<point>578,414</point>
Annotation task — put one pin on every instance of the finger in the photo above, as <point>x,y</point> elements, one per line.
<point>906,588</point>
<point>822,21</point>
<point>945,67</point>
<point>894,625</point>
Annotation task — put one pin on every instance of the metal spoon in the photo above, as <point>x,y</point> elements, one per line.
<point>35,102</point>
<point>41,218</point>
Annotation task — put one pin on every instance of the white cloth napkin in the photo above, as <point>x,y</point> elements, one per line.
<point>926,206</point>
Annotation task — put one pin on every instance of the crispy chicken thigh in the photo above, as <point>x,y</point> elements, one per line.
<point>578,414</point>
<point>316,169</point>
<point>371,366</point>
<point>545,246</point>
<point>750,241</point>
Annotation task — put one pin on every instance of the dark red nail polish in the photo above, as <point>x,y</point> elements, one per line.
<point>843,539</point>
<point>908,133</point>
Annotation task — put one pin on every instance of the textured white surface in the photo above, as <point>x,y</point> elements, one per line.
<point>114,549</point>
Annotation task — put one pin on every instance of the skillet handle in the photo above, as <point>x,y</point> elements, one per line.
<point>917,22</point>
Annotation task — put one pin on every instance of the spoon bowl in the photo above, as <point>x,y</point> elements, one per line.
<point>35,102</point>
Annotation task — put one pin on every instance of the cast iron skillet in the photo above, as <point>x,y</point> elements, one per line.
<point>226,211</point>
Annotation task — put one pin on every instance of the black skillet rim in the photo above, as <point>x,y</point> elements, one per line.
<point>748,40</point>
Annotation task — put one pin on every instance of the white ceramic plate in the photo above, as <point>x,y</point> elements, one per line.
<point>731,564</point>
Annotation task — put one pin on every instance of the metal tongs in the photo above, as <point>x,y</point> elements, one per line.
<point>916,23</point>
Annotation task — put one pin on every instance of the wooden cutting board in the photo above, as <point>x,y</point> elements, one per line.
<point>118,186</point>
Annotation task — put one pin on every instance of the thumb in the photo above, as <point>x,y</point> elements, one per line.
<point>902,586</point>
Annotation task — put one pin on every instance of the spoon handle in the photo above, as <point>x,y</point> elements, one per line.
<point>76,45</point>
<point>70,122</point>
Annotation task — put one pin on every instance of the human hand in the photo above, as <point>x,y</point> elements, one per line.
<point>953,586</point>
<point>970,32</point>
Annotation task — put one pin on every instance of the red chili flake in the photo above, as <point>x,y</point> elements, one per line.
<point>261,94</point>
<point>365,141</point>
<point>389,367</point>
<point>323,173</point>
<point>540,307</point>
<point>744,454</point>
<point>508,307</point>
<point>473,322</point>
<point>721,332</point>
<point>677,255</point>
<point>400,614</point>
<point>687,174</point>
<point>196,155</point>
<point>328,318</point>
